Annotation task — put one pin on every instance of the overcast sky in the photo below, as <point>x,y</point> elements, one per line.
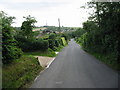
<point>69,11</point>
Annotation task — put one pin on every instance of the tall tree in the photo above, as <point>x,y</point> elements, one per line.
<point>10,50</point>
<point>103,30</point>
<point>27,26</point>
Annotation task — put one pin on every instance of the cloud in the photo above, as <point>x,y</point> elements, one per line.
<point>34,1</point>
<point>32,4</point>
<point>46,10</point>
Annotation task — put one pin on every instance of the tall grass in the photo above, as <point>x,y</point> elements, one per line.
<point>20,72</point>
<point>108,59</point>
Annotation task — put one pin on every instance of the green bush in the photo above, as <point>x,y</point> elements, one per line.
<point>32,45</point>
<point>40,44</point>
<point>65,36</point>
<point>51,43</point>
<point>10,53</point>
<point>57,43</point>
<point>10,50</point>
<point>60,41</point>
<point>23,43</point>
<point>64,41</point>
<point>52,36</point>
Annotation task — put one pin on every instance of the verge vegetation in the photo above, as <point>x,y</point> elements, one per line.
<point>100,34</point>
<point>21,72</point>
<point>19,46</point>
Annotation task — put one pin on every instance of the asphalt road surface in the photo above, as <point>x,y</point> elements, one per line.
<point>74,68</point>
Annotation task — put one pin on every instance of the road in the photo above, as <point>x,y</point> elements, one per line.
<point>74,68</point>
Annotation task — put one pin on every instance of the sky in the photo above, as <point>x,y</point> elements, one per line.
<point>47,11</point>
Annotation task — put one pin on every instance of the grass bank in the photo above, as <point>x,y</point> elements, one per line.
<point>49,53</point>
<point>58,49</point>
<point>108,59</point>
<point>20,73</point>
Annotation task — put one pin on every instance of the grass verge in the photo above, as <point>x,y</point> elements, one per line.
<point>108,59</point>
<point>58,49</point>
<point>20,73</point>
<point>49,53</point>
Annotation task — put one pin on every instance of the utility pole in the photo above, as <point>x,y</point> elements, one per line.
<point>46,22</point>
<point>59,25</point>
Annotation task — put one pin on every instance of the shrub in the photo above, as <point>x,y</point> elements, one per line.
<point>41,44</point>
<point>23,43</point>
<point>65,36</point>
<point>10,50</point>
<point>45,45</point>
<point>60,41</point>
<point>10,53</point>
<point>52,36</point>
<point>57,43</point>
<point>32,45</point>
<point>63,41</point>
<point>51,43</point>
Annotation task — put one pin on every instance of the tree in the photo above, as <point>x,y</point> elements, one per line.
<point>10,50</point>
<point>103,30</point>
<point>27,27</point>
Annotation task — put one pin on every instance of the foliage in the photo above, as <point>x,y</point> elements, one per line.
<point>77,33</point>
<point>56,41</point>
<point>52,36</point>
<point>102,35</point>
<point>34,45</point>
<point>49,53</point>
<point>39,44</point>
<point>27,26</point>
<point>20,72</point>
<point>51,43</point>
<point>58,49</point>
<point>63,40</point>
<point>10,50</point>
<point>66,36</point>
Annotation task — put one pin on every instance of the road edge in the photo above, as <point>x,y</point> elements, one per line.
<point>48,65</point>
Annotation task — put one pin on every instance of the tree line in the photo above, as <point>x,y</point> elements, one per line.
<point>101,32</point>
<point>16,42</point>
